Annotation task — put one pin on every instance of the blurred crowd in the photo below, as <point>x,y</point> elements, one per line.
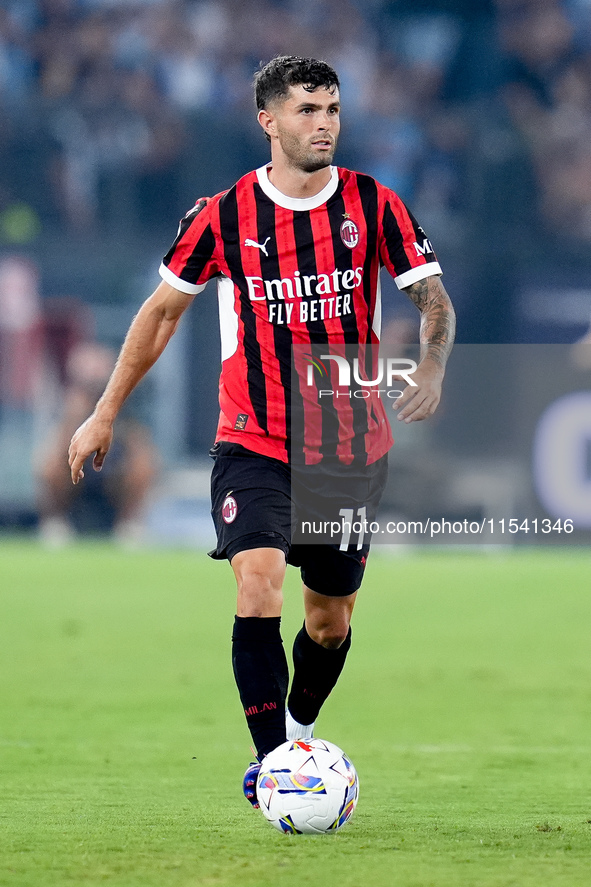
<point>102,99</point>
<point>548,94</point>
<point>107,87</point>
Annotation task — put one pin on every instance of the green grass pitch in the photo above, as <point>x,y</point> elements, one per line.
<point>465,705</point>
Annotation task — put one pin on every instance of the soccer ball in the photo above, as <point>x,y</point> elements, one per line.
<point>307,787</point>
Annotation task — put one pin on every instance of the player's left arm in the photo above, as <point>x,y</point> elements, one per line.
<point>438,324</point>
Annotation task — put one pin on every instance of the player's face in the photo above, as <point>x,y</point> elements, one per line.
<point>305,127</point>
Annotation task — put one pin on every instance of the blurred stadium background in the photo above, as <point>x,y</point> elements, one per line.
<point>118,114</point>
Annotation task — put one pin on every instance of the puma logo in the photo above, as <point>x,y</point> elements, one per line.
<point>261,246</point>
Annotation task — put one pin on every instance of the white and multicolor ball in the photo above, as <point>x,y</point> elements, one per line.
<point>308,786</point>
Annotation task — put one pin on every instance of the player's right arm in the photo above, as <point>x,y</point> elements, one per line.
<point>150,331</point>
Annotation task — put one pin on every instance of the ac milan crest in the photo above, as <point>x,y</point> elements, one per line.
<point>229,509</point>
<point>350,233</point>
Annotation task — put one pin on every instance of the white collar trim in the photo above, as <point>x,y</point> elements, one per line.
<point>297,203</point>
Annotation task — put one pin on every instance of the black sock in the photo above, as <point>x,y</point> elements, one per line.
<point>316,671</point>
<point>260,669</point>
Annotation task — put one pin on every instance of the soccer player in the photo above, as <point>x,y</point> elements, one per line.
<point>297,247</point>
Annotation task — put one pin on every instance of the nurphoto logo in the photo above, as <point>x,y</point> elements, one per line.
<point>352,378</point>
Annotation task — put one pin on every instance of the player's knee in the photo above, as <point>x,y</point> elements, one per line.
<point>259,592</point>
<point>331,635</point>
<point>254,582</point>
<point>258,596</point>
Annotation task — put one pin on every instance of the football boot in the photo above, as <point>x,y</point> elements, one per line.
<point>249,783</point>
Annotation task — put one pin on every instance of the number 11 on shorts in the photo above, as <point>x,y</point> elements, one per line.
<point>349,526</point>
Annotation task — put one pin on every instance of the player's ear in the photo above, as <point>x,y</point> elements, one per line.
<point>267,121</point>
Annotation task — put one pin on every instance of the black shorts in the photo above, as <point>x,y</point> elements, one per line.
<point>317,515</point>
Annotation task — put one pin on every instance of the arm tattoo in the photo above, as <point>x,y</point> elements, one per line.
<point>438,320</point>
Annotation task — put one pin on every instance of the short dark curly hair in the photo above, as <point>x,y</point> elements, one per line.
<point>272,80</point>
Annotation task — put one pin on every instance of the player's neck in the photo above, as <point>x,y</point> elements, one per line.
<point>295,182</point>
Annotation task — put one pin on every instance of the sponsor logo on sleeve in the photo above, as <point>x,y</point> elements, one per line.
<point>425,248</point>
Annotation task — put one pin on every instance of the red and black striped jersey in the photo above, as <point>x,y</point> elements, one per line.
<point>299,279</point>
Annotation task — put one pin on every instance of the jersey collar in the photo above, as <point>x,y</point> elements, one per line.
<point>297,203</point>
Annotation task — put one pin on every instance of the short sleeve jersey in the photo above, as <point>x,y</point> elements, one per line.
<point>298,278</point>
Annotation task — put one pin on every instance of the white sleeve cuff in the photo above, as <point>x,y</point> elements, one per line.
<point>182,285</point>
<point>418,273</point>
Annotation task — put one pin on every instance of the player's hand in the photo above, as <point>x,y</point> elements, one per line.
<point>421,401</point>
<point>93,436</point>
